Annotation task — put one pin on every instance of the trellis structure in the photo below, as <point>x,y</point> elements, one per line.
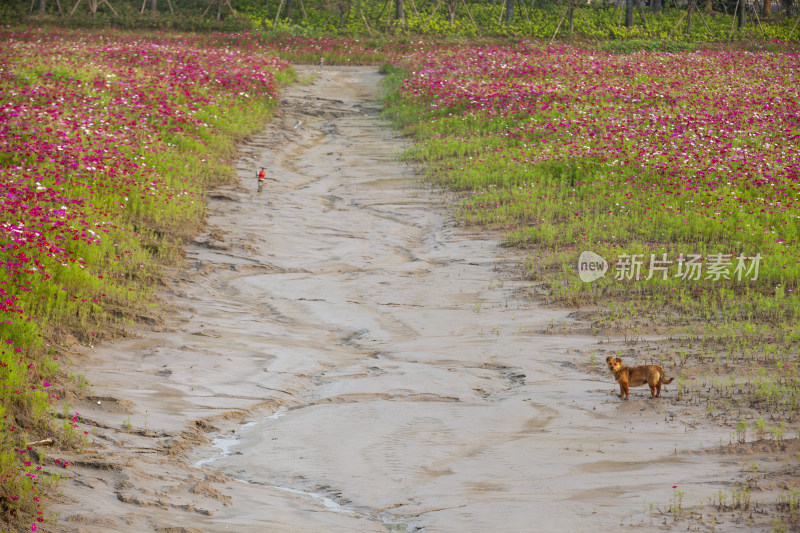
<point>452,6</point>
<point>58,3</point>
<point>93,5</point>
<point>144,3</point>
<point>572,5</point>
<point>219,4</point>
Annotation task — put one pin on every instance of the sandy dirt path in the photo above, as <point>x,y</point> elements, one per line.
<point>342,357</point>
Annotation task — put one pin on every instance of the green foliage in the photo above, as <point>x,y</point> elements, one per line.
<point>127,14</point>
<point>594,22</point>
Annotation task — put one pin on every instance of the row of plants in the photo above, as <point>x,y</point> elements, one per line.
<point>540,20</point>
<point>107,143</point>
<point>594,22</point>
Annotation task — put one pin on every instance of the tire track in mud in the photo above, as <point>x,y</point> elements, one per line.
<point>344,358</point>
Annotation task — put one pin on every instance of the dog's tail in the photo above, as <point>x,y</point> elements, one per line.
<point>664,379</point>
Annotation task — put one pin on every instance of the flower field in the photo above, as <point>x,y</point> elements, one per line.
<point>106,147</point>
<point>682,171</point>
<point>626,156</point>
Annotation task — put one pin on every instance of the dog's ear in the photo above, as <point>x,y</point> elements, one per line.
<point>619,360</point>
<point>609,359</point>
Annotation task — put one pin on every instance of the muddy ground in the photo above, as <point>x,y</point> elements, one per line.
<point>343,357</point>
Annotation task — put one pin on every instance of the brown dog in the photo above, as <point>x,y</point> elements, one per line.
<point>634,376</point>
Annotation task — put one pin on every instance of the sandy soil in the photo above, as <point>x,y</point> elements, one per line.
<point>342,357</point>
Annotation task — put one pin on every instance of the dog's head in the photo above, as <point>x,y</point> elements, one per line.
<point>614,363</point>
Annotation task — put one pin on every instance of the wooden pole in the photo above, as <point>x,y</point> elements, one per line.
<point>434,12</point>
<point>525,10</point>
<point>491,11</point>
<point>678,23</point>
<point>580,12</point>
<point>641,13</point>
<point>748,15</point>
<point>469,14</point>
<point>369,30</point>
<point>110,7</point>
<point>699,12</point>
<point>278,14</point>
<point>755,12</point>
<point>735,14</point>
<point>571,15</point>
<point>74,7</point>
<point>558,26</point>
<point>380,15</point>
<point>414,6</point>
<point>793,28</point>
